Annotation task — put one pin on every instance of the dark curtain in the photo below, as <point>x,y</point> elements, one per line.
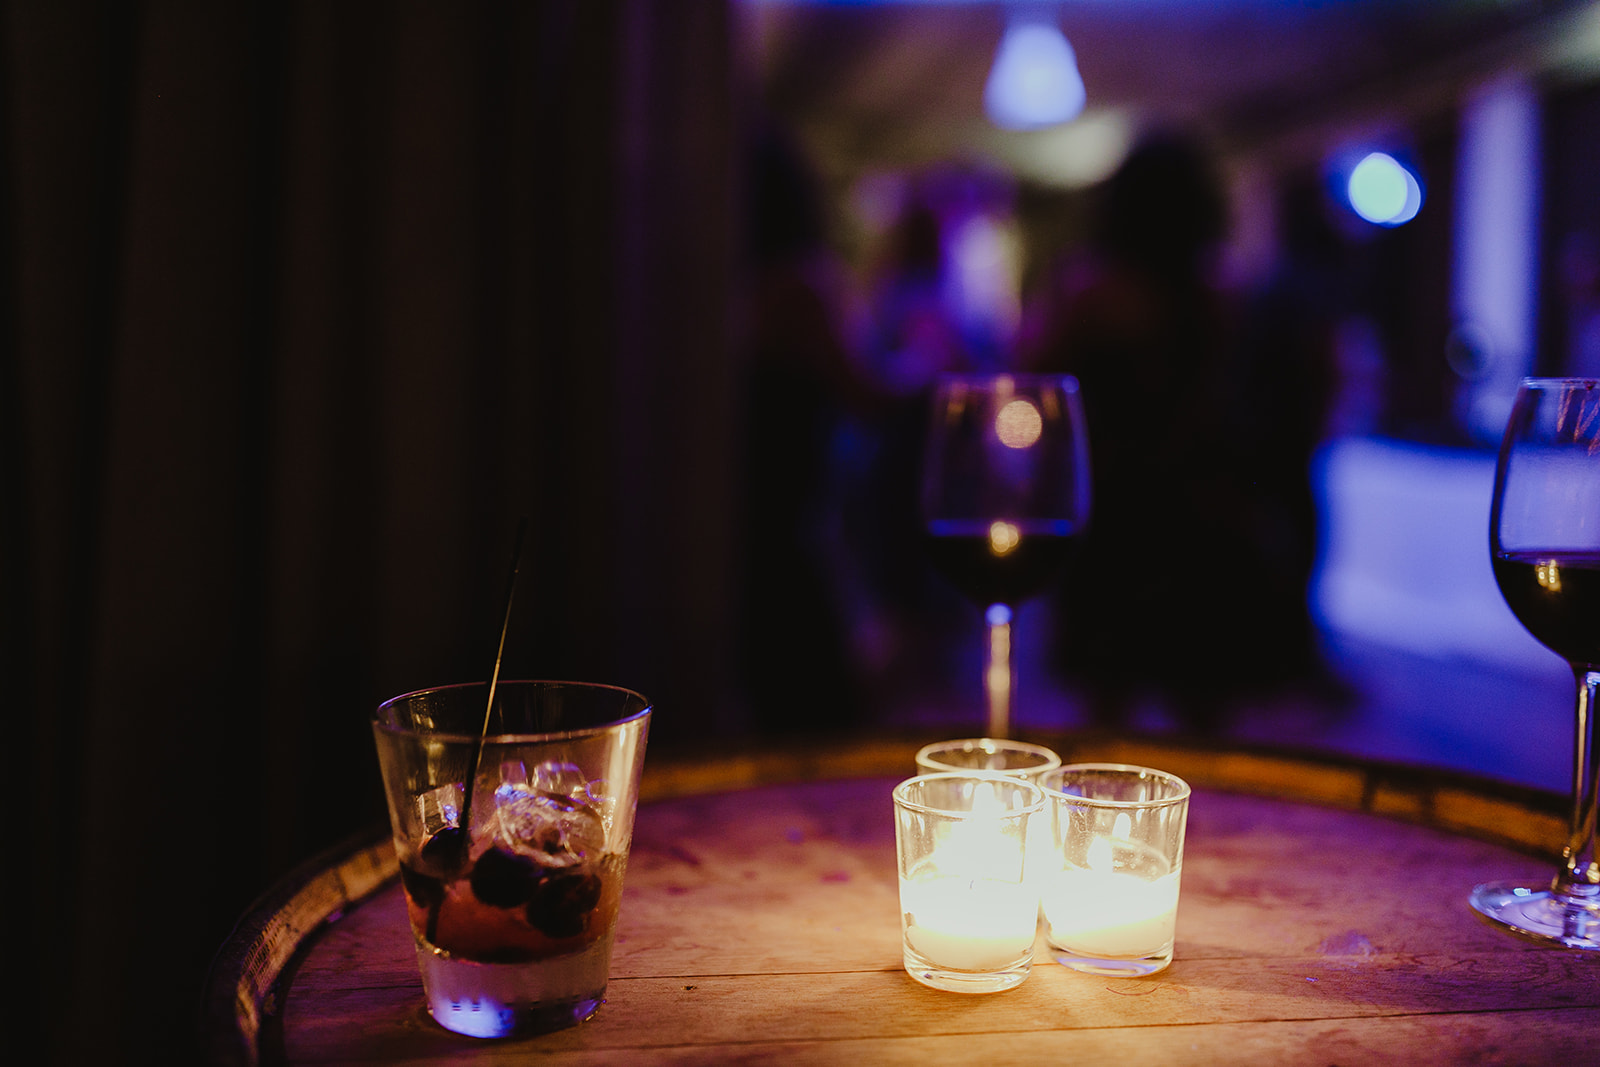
<point>302,307</point>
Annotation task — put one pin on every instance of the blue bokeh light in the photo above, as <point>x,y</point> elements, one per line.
<point>1383,191</point>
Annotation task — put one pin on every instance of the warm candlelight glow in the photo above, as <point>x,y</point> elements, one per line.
<point>969,914</point>
<point>967,923</point>
<point>1110,899</point>
<point>966,905</point>
<point>1104,911</point>
<point>979,847</point>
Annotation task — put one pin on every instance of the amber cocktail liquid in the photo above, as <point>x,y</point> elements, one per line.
<point>513,891</point>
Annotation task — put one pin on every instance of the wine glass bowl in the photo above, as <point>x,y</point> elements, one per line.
<point>1544,545</point>
<point>1005,487</point>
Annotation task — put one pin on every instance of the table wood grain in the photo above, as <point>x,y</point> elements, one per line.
<point>761,924</point>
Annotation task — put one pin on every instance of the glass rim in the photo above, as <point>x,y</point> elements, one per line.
<point>1068,382</point>
<point>1567,380</point>
<point>1181,793</point>
<point>1033,806</point>
<point>455,736</point>
<point>1050,760</point>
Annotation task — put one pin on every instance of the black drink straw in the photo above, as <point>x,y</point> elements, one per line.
<point>494,679</point>
<point>463,833</point>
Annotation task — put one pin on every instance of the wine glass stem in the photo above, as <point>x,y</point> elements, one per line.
<point>1580,872</point>
<point>997,674</point>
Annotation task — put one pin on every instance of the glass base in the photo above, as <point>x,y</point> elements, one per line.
<point>492,1000</point>
<point>937,977</point>
<point>1114,968</point>
<point>1538,914</point>
<point>490,1018</point>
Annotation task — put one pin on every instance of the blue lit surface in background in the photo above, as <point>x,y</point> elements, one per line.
<point>1406,605</point>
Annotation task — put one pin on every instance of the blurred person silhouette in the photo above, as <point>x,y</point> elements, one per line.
<point>794,665</point>
<point>904,613</point>
<point>1157,599</point>
<point>1285,383</point>
<point>912,334</point>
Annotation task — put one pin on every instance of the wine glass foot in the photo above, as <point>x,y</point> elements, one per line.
<point>1537,913</point>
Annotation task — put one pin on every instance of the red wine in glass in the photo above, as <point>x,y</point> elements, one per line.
<point>999,561</point>
<point>1544,546</point>
<point>1556,597</point>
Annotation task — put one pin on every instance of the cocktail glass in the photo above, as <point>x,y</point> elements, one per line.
<point>513,840</point>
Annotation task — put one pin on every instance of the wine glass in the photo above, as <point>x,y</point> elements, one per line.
<point>1005,486</point>
<point>1544,543</point>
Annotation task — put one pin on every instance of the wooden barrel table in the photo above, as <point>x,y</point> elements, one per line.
<point>1323,919</point>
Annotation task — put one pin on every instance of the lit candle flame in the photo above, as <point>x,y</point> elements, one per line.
<point>980,846</point>
<point>1101,855</point>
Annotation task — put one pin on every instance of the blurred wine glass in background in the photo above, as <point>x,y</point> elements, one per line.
<point>1005,488</point>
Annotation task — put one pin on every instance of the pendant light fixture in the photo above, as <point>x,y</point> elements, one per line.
<point>1034,82</point>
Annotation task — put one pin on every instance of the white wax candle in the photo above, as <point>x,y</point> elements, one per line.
<point>1109,913</point>
<point>968,924</point>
